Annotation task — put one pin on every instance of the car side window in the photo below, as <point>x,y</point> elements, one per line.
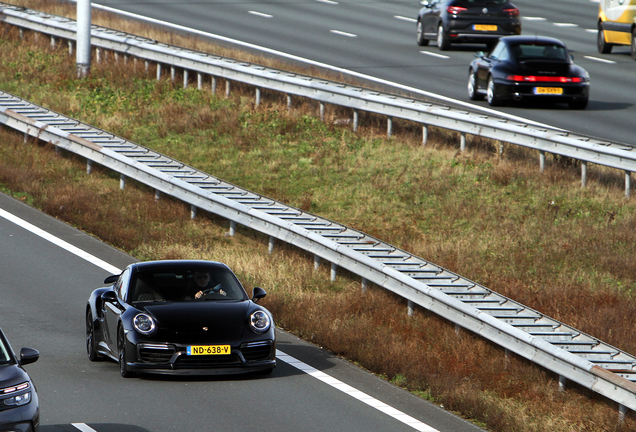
<point>121,286</point>
<point>498,51</point>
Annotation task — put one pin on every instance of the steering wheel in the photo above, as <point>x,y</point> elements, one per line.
<point>211,290</point>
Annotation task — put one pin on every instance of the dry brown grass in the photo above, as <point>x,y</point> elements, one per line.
<point>482,214</point>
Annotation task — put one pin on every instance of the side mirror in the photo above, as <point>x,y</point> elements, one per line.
<point>28,355</point>
<point>109,296</point>
<point>258,294</point>
<point>111,279</point>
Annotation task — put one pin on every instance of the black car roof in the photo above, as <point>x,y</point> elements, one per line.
<point>510,40</point>
<point>153,265</point>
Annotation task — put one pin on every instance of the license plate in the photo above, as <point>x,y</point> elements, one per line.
<point>209,350</point>
<point>484,27</point>
<point>548,90</point>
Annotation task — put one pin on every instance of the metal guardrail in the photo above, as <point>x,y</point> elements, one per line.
<point>560,348</point>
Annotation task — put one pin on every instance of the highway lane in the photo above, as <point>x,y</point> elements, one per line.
<point>377,38</point>
<point>43,292</point>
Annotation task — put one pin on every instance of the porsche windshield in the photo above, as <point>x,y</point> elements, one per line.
<point>193,284</point>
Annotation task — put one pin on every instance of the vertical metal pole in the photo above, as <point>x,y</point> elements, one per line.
<point>541,160</point>
<point>410,308</point>
<point>562,381</point>
<point>583,174</point>
<point>622,412</point>
<point>322,111</point>
<point>316,262</point>
<point>158,71</point>
<point>193,212</point>
<point>389,127</point>
<point>173,73</point>
<point>146,65</point>
<point>116,57</point>
<point>365,285</point>
<point>289,101</point>
<point>199,81</point>
<point>424,134</point>
<point>83,58</point>
<point>356,118</point>
<point>227,88</point>
<point>334,271</point>
<point>232,228</point>
<point>270,246</point>
<point>462,142</point>
<point>122,181</point>
<point>628,183</point>
<point>185,78</point>
<point>89,166</point>
<point>258,96</point>
<point>157,194</point>
<point>213,85</point>
<point>52,42</point>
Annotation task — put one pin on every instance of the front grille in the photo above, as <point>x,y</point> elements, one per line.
<point>256,351</point>
<point>156,353</point>
<point>200,361</point>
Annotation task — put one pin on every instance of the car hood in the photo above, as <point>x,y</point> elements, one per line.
<point>11,375</point>
<point>226,318</point>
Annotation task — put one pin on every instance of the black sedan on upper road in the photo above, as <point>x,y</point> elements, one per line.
<point>528,67</point>
<point>19,406</point>
<point>180,317</point>
<point>461,21</point>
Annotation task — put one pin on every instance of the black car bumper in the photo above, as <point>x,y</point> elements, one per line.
<point>461,31</point>
<point>527,91</point>
<point>24,418</point>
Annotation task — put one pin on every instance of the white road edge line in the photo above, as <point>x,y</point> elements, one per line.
<point>345,388</point>
<point>433,54</point>
<point>402,18</point>
<point>534,18</point>
<point>566,25</point>
<point>602,60</point>
<point>59,242</point>
<point>354,393</point>
<point>260,14</point>
<point>331,2</point>
<point>338,32</point>
<point>326,66</point>
<point>83,427</point>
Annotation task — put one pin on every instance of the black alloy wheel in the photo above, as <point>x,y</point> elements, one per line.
<point>123,359</point>
<point>473,91</point>
<point>91,349</point>
<point>443,40</point>
<point>603,47</point>
<point>421,40</point>
<point>491,97</point>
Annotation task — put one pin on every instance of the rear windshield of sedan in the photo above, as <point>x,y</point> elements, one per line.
<point>539,51</point>
<point>479,2</point>
<point>180,284</point>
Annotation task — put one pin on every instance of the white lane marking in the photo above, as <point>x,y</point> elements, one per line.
<point>341,33</point>
<point>534,18</point>
<point>354,393</point>
<point>566,25</point>
<point>260,14</point>
<point>328,2</point>
<point>598,59</point>
<point>591,30</point>
<point>404,18</point>
<point>83,427</point>
<point>381,406</point>
<point>433,54</point>
<point>327,66</point>
<point>59,242</point>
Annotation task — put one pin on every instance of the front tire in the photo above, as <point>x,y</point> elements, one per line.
<point>421,40</point>
<point>634,44</point>
<point>91,348</point>
<point>443,40</point>
<point>123,358</point>
<point>473,92</point>
<point>491,97</point>
<point>603,47</point>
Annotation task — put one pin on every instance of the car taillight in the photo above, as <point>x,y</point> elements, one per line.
<point>512,11</point>
<point>455,9</point>
<point>532,78</point>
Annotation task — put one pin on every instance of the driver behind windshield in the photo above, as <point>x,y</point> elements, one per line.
<point>202,286</point>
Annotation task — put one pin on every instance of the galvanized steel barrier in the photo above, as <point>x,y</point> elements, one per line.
<point>559,348</point>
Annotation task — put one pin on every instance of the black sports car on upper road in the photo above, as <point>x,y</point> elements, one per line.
<point>466,21</point>
<point>180,317</point>
<point>528,67</point>
<point>19,406</point>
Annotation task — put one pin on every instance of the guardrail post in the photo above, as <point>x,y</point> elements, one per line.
<point>116,57</point>
<point>424,134</point>
<point>70,48</point>
<point>316,262</point>
<point>89,166</point>
<point>228,87</point>
<point>52,42</point>
<point>270,246</point>
<point>185,78</point>
<point>410,307</point>
<point>193,211</point>
<point>258,96</point>
<point>462,141</point>
<point>157,194</point>
<point>334,270</point>
<point>562,381</point>
<point>232,228</point>
<point>356,118</point>
<point>199,81</point>
<point>389,127</point>
<point>583,174</point>
<point>21,33</point>
<point>146,65</point>
<point>158,71</point>
<point>289,101</point>
<point>365,285</point>
<point>213,85</point>
<point>122,181</point>
<point>322,111</point>
<point>173,73</point>
<point>125,59</point>
<point>628,183</point>
<point>98,55</point>
<point>622,412</point>
<point>541,160</point>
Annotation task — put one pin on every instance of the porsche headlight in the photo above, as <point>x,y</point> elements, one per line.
<point>144,324</point>
<point>260,322</point>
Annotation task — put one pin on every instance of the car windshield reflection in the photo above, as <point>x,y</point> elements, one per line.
<point>195,284</point>
<point>4,353</point>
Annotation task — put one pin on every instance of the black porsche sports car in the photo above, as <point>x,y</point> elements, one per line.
<point>528,67</point>
<point>19,406</point>
<point>180,317</point>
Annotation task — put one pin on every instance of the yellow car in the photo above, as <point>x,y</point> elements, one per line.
<point>616,25</point>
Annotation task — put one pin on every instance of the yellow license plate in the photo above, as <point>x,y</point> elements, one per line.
<point>209,350</point>
<point>548,90</point>
<point>484,27</point>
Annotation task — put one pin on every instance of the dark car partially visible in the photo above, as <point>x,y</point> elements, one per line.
<point>466,21</point>
<point>526,68</point>
<point>19,406</point>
